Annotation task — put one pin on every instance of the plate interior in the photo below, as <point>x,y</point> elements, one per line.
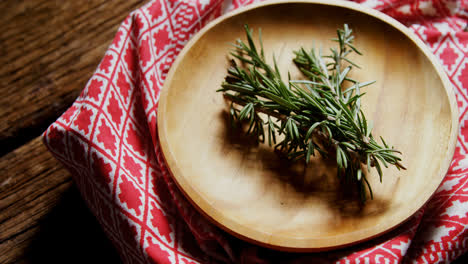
<point>247,190</point>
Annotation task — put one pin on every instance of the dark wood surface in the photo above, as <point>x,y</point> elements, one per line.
<point>48,51</point>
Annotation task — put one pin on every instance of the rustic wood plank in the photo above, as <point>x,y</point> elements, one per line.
<point>41,210</point>
<point>32,185</point>
<point>48,51</point>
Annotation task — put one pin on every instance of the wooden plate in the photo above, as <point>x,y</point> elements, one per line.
<point>246,190</point>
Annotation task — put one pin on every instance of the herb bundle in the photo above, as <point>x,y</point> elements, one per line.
<point>301,117</point>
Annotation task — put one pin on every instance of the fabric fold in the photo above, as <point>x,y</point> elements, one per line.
<point>108,141</point>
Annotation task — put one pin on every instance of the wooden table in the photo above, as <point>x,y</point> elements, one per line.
<point>48,51</point>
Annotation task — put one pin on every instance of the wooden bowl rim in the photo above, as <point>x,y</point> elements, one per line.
<point>315,244</point>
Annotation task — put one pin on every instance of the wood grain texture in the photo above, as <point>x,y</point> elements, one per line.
<point>33,180</point>
<point>247,190</point>
<point>48,51</point>
<point>43,217</point>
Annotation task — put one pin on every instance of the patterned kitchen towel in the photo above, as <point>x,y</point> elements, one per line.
<point>108,141</point>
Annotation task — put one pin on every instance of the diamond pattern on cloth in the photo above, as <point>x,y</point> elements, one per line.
<point>108,141</point>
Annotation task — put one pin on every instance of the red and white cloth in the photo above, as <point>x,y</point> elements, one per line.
<point>108,141</point>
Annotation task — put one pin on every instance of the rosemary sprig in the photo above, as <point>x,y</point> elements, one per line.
<point>322,113</point>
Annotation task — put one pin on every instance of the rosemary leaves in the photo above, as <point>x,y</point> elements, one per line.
<point>320,114</point>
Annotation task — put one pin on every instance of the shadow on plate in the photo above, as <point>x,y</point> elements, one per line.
<point>316,180</point>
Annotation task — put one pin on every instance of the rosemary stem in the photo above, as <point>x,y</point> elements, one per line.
<point>311,115</point>
<point>319,134</point>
